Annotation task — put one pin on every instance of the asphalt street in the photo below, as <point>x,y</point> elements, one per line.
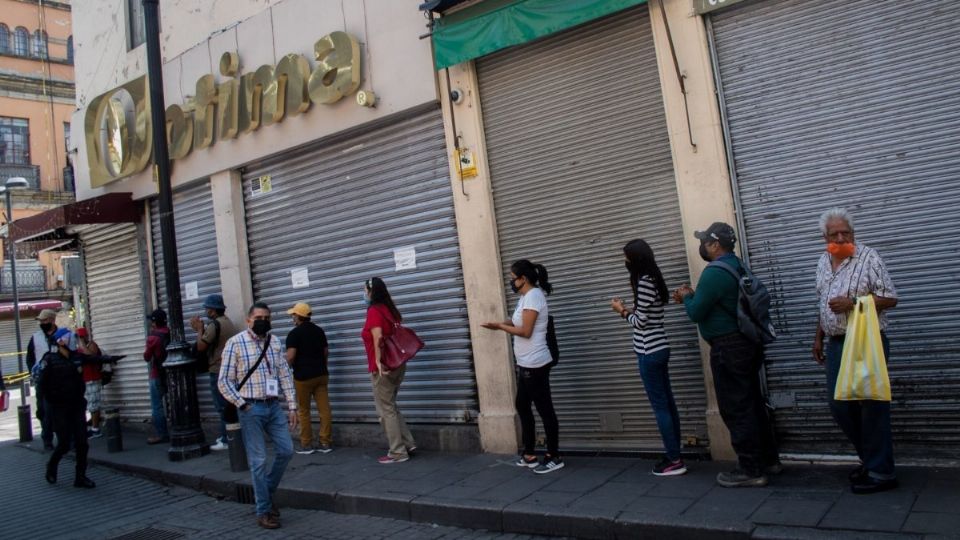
<point>126,507</point>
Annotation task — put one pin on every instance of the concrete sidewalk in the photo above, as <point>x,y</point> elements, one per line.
<point>592,497</point>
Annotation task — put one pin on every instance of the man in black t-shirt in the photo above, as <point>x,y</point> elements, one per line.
<point>307,353</point>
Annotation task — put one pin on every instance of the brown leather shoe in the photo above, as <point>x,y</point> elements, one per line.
<point>157,440</point>
<point>267,521</point>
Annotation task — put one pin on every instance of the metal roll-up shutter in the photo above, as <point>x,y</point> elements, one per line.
<point>852,104</point>
<point>8,343</point>
<point>115,296</point>
<point>580,160</point>
<point>198,262</point>
<point>339,209</point>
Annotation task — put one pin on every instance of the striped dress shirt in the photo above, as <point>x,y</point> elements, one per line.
<point>647,319</point>
<point>239,355</point>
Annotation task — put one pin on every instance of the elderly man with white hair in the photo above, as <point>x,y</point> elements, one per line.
<point>847,270</point>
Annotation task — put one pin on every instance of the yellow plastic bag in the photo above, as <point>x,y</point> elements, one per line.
<point>863,366</point>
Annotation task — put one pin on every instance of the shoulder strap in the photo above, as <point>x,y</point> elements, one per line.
<point>216,338</point>
<point>736,276</point>
<point>385,311</point>
<point>263,353</point>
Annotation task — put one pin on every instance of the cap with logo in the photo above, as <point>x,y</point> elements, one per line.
<point>719,232</point>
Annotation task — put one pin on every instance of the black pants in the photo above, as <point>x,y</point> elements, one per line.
<point>533,386</point>
<point>46,430</point>
<point>736,362</point>
<point>69,422</point>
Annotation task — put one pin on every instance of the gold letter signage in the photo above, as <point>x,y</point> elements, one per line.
<point>117,123</point>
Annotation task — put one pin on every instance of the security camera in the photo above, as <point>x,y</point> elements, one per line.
<point>456,96</point>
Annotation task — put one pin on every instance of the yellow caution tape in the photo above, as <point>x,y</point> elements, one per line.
<point>12,353</point>
<point>16,378</point>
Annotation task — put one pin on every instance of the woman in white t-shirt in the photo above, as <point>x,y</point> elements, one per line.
<point>528,326</point>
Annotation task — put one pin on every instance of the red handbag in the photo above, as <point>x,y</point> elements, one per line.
<point>400,346</point>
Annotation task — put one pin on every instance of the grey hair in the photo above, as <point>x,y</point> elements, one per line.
<point>836,213</point>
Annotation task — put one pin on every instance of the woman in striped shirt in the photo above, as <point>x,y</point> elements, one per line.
<point>652,348</point>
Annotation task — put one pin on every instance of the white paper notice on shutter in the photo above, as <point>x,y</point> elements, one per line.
<point>300,277</point>
<point>191,291</point>
<point>405,258</point>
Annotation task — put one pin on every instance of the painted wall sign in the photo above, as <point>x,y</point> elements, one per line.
<point>117,123</point>
<point>706,6</point>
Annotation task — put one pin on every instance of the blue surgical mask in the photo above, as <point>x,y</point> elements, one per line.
<point>366,299</point>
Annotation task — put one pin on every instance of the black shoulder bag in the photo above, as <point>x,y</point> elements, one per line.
<point>230,413</point>
<point>202,360</point>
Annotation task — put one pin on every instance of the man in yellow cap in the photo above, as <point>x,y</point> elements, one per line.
<point>307,353</point>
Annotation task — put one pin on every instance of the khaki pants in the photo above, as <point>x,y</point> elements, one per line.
<point>317,389</point>
<point>385,389</point>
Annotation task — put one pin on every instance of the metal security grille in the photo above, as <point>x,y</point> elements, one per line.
<point>198,262</point>
<point>339,209</point>
<point>581,164</point>
<point>8,343</point>
<point>115,295</point>
<point>854,104</point>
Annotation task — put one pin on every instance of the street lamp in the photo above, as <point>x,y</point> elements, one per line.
<point>186,434</point>
<point>23,411</point>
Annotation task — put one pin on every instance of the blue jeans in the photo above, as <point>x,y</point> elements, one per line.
<point>218,403</point>
<point>260,421</point>
<point>866,423</point>
<point>655,373</point>
<point>157,409</point>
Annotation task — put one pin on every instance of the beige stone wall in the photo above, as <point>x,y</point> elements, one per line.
<point>397,66</point>
<point>699,156</point>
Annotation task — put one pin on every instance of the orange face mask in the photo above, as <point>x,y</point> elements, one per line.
<point>842,251</point>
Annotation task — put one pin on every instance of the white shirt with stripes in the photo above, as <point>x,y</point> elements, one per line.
<point>647,319</point>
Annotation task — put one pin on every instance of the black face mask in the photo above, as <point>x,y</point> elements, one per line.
<point>46,327</point>
<point>703,253</point>
<point>513,286</point>
<point>261,327</point>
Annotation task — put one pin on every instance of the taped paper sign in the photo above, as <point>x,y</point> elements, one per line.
<point>405,258</point>
<point>191,290</point>
<point>300,278</point>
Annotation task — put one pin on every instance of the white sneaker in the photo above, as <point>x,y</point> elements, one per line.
<point>220,445</point>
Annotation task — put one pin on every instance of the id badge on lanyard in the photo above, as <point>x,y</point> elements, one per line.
<point>273,387</point>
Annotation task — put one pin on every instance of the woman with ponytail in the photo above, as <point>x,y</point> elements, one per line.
<point>528,326</point>
<point>652,348</point>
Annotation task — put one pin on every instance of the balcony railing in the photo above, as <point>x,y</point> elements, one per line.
<point>12,170</point>
<point>28,280</point>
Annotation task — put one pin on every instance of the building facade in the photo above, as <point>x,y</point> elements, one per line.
<point>36,104</point>
<point>316,144</point>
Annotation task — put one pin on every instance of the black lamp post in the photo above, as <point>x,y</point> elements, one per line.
<point>23,411</point>
<point>186,434</point>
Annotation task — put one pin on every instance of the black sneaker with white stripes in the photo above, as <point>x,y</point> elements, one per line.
<point>549,464</point>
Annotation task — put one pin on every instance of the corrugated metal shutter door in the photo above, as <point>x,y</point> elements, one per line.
<point>852,103</point>
<point>340,209</point>
<point>115,295</point>
<point>197,255</point>
<point>8,343</point>
<point>578,172</point>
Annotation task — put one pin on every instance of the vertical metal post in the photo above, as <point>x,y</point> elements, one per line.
<point>23,417</point>
<point>186,435</point>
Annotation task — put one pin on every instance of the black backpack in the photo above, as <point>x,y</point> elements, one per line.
<point>61,380</point>
<point>552,342</point>
<point>753,305</point>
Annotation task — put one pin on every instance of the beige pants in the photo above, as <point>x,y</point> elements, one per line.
<point>317,389</point>
<point>385,389</point>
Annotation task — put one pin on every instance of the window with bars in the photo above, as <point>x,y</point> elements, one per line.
<point>21,41</point>
<point>4,39</point>
<point>40,48</point>
<point>14,141</point>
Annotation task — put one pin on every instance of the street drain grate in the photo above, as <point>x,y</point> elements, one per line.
<point>245,494</point>
<point>150,533</point>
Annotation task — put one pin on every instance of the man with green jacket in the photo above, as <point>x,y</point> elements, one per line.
<point>735,360</point>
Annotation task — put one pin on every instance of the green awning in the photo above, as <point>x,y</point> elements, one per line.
<point>497,24</point>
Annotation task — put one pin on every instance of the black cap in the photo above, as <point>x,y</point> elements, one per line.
<point>158,316</point>
<point>720,232</point>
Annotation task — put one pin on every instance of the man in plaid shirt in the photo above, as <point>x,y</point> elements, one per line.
<point>258,404</point>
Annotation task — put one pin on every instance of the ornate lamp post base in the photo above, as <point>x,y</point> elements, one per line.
<point>183,419</point>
